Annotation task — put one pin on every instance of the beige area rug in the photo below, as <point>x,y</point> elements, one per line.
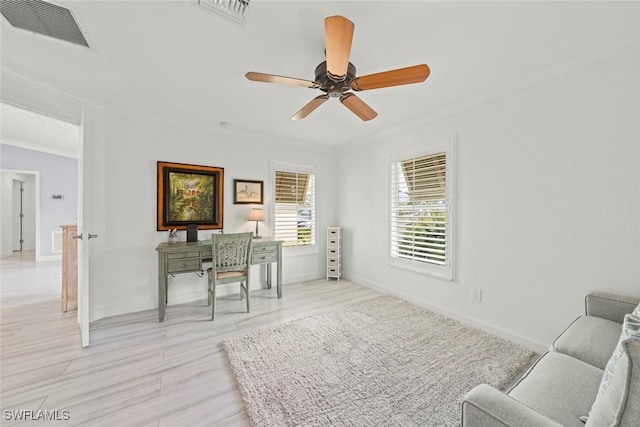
<point>381,362</point>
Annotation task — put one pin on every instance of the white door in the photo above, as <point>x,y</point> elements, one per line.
<point>84,241</point>
<point>23,212</point>
<point>17,215</point>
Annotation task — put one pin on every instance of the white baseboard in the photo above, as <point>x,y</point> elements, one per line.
<point>133,306</point>
<point>148,304</point>
<point>305,277</point>
<point>527,342</point>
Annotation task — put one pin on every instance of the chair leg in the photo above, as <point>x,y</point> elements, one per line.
<point>209,291</point>
<point>212,292</point>
<point>246,291</point>
<point>241,290</point>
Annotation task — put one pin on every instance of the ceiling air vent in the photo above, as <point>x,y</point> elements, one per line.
<point>236,10</point>
<point>44,18</point>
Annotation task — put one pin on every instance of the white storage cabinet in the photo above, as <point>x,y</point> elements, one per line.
<point>334,252</point>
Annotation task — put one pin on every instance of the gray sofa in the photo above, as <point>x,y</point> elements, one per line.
<point>562,385</point>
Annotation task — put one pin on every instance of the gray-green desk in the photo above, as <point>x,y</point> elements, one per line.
<point>187,257</point>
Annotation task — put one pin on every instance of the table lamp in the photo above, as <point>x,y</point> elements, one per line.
<point>256,215</point>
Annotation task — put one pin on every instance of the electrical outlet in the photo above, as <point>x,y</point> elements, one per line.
<point>476,294</point>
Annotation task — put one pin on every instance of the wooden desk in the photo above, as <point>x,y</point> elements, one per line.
<point>187,257</point>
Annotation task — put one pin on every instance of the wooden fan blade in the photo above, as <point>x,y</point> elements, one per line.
<point>312,105</point>
<point>338,34</point>
<point>401,76</point>
<point>272,78</point>
<point>358,106</point>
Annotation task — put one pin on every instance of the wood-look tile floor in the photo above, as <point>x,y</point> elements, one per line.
<point>137,372</point>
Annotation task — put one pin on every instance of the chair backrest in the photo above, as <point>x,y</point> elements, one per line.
<point>231,252</point>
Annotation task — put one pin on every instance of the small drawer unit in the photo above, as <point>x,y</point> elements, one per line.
<point>334,252</point>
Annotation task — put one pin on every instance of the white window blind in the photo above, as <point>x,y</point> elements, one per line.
<point>419,212</point>
<point>295,208</point>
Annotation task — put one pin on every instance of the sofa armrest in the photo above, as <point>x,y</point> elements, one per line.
<point>609,306</point>
<point>484,406</point>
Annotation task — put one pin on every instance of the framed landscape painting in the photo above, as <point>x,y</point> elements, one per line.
<point>190,194</point>
<point>248,192</point>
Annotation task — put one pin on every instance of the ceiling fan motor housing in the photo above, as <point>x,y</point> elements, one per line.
<point>334,88</point>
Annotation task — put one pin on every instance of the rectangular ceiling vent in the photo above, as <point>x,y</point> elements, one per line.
<point>236,10</point>
<point>43,18</point>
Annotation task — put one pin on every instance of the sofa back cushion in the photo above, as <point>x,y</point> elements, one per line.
<point>618,397</point>
<point>590,339</point>
<point>610,306</point>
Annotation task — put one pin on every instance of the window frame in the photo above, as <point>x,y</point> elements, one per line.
<point>442,145</point>
<point>300,169</point>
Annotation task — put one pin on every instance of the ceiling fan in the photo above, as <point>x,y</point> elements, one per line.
<point>337,76</point>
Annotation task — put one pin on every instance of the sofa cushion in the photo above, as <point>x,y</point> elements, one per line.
<point>636,311</point>
<point>579,338</point>
<point>559,387</point>
<point>609,306</point>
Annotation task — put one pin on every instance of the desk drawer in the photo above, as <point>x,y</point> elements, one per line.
<point>267,248</point>
<point>184,265</point>
<point>264,256</point>
<point>182,255</point>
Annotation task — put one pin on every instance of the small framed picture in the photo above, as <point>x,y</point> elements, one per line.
<point>248,192</point>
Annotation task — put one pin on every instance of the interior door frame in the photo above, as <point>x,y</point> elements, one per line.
<point>90,117</point>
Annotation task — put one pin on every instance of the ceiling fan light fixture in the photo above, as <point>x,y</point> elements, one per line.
<point>235,10</point>
<point>334,88</point>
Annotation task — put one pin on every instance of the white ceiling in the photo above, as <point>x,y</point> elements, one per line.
<point>176,61</point>
<point>28,129</point>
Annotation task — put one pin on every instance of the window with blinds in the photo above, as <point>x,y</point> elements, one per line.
<point>420,208</point>
<point>295,211</point>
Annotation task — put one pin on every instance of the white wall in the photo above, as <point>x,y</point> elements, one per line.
<point>548,202</point>
<point>124,267</point>
<point>58,175</point>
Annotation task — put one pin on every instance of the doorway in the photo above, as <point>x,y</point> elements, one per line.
<point>39,179</point>
<point>24,218</point>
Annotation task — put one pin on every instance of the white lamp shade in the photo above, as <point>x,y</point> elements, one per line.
<point>256,215</point>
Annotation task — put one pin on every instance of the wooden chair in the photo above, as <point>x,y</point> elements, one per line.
<point>231,258</point>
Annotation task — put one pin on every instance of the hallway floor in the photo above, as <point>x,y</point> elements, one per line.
<point>24,281</point>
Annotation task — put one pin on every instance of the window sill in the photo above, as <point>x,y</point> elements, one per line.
<point>294,251</point>
<point>439,272</point>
